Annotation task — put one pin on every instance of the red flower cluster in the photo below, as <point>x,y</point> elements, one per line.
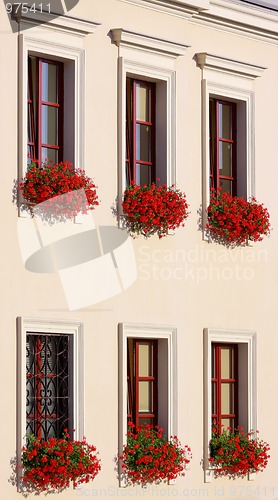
<point>148,457</point>
<point>151,209</point>
<point>48,182</point>
<point>235,220</point>
<point>52,464</point>
<point>235,453</point>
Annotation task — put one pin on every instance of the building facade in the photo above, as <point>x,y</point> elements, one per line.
<point>140,90</point>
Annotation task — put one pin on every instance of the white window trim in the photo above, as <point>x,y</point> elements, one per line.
<point>147,57</point>
<point>50,327</point>
<point>236,337</point>
<point>227,78</point>
<point>132,330</point>
<point>60,38</point>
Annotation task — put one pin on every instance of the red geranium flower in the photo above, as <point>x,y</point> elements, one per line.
<point>236,453</point>
<point>148,457</point>
<point>53,464</point>
<point>154,209</point>
<point>45,182</point>
<point>234,220</point>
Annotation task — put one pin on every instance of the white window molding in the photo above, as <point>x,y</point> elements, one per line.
<point>232,80</point>
<point>51,327</point>
<point>62,39</point>
<point>152,59</point>
<point>247,343</point>
<point>167,353</point>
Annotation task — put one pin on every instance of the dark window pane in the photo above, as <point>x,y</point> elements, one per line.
<point>226,186</point>
<point>143,174</point>
<point>143,142</point>
<point>50,155</point>
<point>49,125</point>
<point>225,158</point>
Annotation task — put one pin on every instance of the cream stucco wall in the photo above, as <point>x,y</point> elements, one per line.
<point>183,281</point>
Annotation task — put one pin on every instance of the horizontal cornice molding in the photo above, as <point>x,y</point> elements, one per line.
<point>73,25</point>
<point>124,38</point>
<point>180,8</point>
<point>242,19</point>
<point>210,61</point>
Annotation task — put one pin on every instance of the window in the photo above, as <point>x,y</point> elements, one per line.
<point>147,108</point>
<point>228,116</point>
<point>147,377</point>
<point>140,132</point>
<point>45,109</point>
<point>50,378</point>
<point>51,88</point>
<point>222,127</point>
<point>224,385</point>
<point>48,385</point>
<point>142,377</point>
<point>230,394</point>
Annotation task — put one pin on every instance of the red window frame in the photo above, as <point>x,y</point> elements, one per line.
<point>216,384</point>
<point>215,142</point>
<point>35,107</point>
<point>133,383</point>
<point>132,137</point>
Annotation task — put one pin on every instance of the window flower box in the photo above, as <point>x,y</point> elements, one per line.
<point>235,221</point>
<point>148,457</point>
<point>236,453</point>
<point>66,190</point>
<point>153,209</point>
<point>55,463</point>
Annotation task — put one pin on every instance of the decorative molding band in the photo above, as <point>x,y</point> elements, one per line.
<point>124,38</point>
<point>73,25</point>
<point>243,20</point>
<point>180,8</point>
<point>239,68</point>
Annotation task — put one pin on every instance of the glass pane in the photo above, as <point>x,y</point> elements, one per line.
<point>143,97</point>
<point>225,158</point>
<point>225,121</point>
<point>213,398</point>
<point>50,125</point>
<point>143,142</point>
<point>213,375</point>
<point>145,360</point>
<point>227,398</point>
<point>226,185</point>
<point>143,174</point>
<point>146,421</point>
<point>227,362</point>
<point>145,397</point>
<point>227,422</point>
<point>32,86</point>
<point>50,155</point>
<point>49,82</point>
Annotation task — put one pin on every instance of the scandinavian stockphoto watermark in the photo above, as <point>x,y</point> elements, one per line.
<point>199,265</point>
<point>93,262</point>
<point>227,491</point>
<point>34,10</point>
